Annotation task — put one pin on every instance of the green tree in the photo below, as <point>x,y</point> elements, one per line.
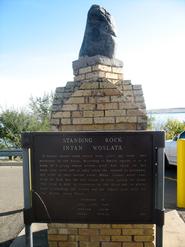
<point>13,122</point>
<point>150,122</point>
<point>41,108</point>
<point>173,127</point>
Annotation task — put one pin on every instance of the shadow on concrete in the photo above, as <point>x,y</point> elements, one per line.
<point>40,239</point>
<point>6,243</point>
<point>170,195</point>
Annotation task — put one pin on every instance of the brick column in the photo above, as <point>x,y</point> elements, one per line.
<point>99,99</point>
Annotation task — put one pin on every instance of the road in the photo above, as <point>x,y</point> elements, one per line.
<point>11,198</point>
<point>171,191</point>
<point>170,188</point>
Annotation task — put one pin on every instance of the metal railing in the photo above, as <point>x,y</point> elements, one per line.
<point>11,152</point>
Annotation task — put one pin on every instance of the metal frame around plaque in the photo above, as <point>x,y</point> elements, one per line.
<point>158,165</point>
<point>27,197</point>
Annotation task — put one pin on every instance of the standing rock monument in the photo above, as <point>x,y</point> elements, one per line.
<point>99,99</point>
<point>99,34</point>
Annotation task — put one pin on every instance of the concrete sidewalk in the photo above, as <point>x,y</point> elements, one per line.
<point>174,230</point>
<point>174,233</point>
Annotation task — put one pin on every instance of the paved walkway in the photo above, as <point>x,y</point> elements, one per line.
<point>174,230</point>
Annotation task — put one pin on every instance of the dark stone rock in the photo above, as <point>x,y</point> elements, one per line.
<point>99,34</point>
<point>98,59</point>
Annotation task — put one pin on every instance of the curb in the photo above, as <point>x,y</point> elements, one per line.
<point>11,164</point>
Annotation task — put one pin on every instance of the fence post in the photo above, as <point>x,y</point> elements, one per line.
<point>27,196</point>
<point>181,173</point>
<point>160,194</point>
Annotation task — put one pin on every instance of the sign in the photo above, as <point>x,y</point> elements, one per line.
<point>93,177</point>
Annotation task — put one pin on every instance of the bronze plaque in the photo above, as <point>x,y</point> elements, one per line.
<point>94,177</point>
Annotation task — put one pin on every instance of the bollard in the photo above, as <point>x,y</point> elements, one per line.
<point>181,173</point>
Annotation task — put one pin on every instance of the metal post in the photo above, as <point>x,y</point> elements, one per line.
<point>160,194</point>
<point>27,199</point>
<point>181,173</point>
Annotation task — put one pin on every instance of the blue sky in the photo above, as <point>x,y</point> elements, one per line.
<point>40,39</point>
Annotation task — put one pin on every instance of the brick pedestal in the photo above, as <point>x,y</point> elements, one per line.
<point>98,67</point>
<point>99,99</point>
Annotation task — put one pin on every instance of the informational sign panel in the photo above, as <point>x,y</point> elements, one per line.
<point>93,177</point>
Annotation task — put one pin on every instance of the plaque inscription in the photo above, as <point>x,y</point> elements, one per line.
<point>93,177</point>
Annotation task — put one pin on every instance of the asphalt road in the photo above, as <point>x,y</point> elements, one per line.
<point>170,188</point>
<point>11,198</point>
<point>170,196</point>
